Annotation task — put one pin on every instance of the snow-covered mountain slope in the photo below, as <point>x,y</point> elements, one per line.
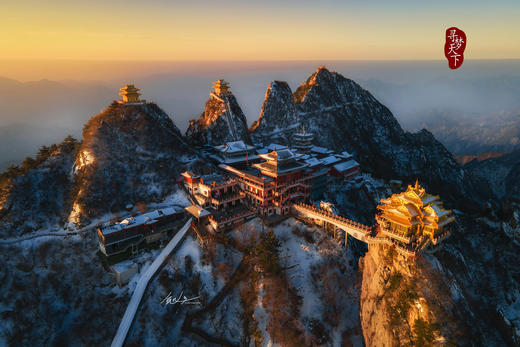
<point>130,154</point>
<point>278,118</point>
<point>37,194</point>
<point>222,121</point>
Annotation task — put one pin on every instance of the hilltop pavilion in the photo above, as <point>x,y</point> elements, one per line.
<point>130,94</point>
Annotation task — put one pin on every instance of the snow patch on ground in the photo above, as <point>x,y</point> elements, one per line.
<point>295,251</point>
<point>261,316</point>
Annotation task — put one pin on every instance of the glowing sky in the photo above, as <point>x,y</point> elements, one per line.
<point>254,30</point>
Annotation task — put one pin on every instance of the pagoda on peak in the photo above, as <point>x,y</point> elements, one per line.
<point>303,140</point>
<point>221,87</point>
<point>130,95</point>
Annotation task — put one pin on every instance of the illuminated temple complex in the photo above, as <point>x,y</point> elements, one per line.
<point>414,217</point>
<point>237,181</point>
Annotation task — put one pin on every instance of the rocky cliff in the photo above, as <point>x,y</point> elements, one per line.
<point>278,117</point>
<point>465,294</point>
<point>406,303</point>
<point>130,154</point>
<point>344,116</point>
<point>222,121</point>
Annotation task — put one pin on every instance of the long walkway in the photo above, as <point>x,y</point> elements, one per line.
<point>131,309</point>
<point>356,230</point>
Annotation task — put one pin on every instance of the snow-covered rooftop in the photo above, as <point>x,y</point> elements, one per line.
<point>147,218</point>
<point>276,147</point>
<point>313,162</point>
<point>197,211</point>
<point>239,159</point>
<point>426,199</point>
<point>281,155</point>
<point>346,165</point>
<point>321,150</point>
<point>331,159</point>
<point>234,147</point>
<point>345,155</point>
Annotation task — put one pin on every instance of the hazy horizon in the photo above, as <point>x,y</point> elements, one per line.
<point>29,70</point>
<point>61,96</point>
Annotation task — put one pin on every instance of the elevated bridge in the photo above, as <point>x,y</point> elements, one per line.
<point>356,230</point>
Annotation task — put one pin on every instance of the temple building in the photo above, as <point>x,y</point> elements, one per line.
<point>132,233</point>
<point>130,94</point>
<point>414,216</point>
<point>221,87</point>
<point>346,169</point>
<point>271,186</point>
<point>290,181</point>
<point>302,141</point>
<point>214,191</point>
<point>237,153</point>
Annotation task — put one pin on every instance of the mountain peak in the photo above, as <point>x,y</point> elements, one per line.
<point>278,112</point>
<point>130,153</point>
<point>321,77</point>
<point>221,121</point>
<point>322,71</point>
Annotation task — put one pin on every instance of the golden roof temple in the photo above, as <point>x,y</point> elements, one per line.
<point>130,94</point>
<point>413,216</point>
<point>221,87</point>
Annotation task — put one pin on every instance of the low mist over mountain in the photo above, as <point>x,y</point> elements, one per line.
<point>475,133</point>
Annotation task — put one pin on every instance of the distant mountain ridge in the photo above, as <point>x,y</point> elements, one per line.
<point>502,174</point>
<point>472,134</point>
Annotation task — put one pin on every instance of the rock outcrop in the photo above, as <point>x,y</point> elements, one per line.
<point>130,153</point>
<point>502,174</point>
<point>407,303</point>
<point>278,118</point>
<point>222,121</point>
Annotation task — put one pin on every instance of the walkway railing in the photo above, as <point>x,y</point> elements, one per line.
<point>396,236</point>
<point>363,232</point>
<point>331,216</point>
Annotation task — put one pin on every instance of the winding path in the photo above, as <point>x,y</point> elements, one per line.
<point>46,234</point>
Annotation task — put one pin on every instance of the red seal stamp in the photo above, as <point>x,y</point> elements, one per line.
<point>454,47</point>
